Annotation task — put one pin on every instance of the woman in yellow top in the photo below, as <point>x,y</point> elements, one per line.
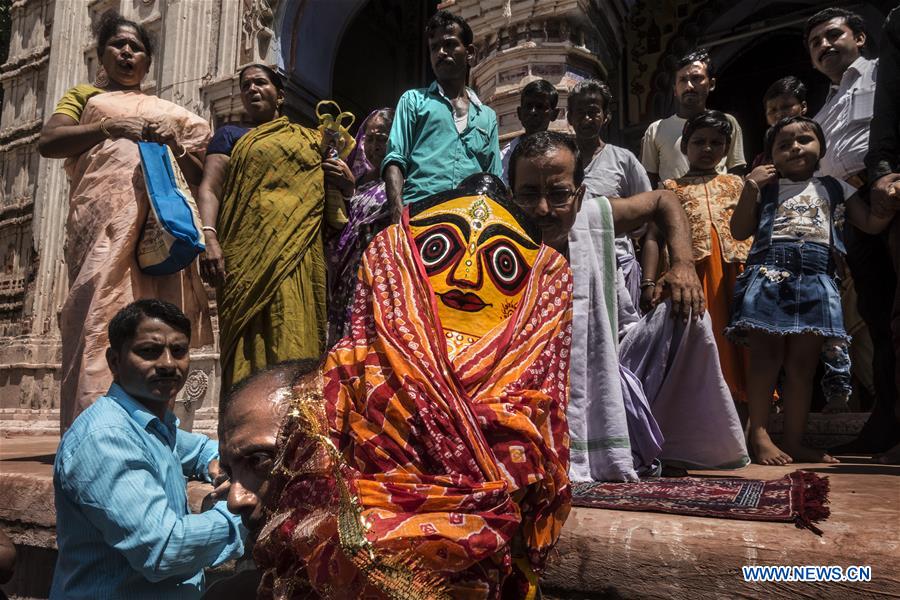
<point>95,127</point>
<point>262,203</point>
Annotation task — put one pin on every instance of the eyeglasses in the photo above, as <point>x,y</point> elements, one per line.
<point>558,198</point>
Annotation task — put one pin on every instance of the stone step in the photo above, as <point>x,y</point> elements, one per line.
<point>17,421</point>
<point>17,428</point>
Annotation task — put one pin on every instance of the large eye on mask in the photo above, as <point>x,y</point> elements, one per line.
<point>439,247</point>
<point>505,266</point>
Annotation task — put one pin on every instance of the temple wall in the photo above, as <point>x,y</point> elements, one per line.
<point>28,242</point>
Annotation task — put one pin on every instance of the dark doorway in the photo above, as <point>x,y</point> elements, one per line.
<point>382,54</point>
<point>740,85</point>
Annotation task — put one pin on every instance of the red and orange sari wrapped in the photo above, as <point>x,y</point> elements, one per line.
<point>423,476</point>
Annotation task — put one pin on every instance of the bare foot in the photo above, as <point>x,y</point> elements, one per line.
<point>891,457</point>
<point>764,450</point>
<point>803,454</point>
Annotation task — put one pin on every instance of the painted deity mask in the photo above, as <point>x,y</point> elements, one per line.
<point>477,249</point>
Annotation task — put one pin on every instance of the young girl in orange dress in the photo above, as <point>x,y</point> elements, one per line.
<point>709,198</point>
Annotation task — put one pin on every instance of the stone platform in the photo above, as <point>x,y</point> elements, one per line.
<point>602,553</point>
<point>621,554</point>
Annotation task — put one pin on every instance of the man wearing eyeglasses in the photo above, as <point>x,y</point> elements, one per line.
<point>621,363</point>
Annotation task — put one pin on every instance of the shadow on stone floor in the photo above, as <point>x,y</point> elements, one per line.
<point>856,469</point>
<point>44,459</point>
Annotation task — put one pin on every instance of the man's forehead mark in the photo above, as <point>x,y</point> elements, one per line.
<point>280,395</point>
<point>261,391</point>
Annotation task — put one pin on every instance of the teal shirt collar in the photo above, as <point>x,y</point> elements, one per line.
<point>436,90</point>
<point>143,417</point>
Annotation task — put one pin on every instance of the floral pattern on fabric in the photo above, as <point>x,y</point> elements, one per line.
<point>709,201</point>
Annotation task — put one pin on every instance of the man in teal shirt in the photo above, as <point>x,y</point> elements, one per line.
<point>123,525</point>
<point>443,133</point>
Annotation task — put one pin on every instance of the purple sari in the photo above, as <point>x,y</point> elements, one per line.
<point>367,214</point>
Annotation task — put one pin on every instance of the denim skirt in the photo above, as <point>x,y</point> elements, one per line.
<point>788,289</point>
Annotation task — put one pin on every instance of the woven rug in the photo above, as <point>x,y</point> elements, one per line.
<point>799,497</point>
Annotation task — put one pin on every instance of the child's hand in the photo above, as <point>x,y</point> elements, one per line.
<point>763,175</point>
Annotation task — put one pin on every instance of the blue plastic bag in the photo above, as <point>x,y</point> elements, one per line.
<point>173,234</point>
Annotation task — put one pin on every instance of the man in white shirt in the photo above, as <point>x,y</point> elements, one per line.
<point>836,39</point>
<point>609,170</point>
<point>661,152</point>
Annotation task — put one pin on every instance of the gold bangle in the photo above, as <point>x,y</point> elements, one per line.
<point>103,127</point>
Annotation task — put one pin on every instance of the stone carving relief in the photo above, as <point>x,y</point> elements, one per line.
<point>10,259</point>
<point>23,78</point>
<point>257,21</point>
<point>194,391</point>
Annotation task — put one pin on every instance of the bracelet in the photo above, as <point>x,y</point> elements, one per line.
<point>103,126</point>
<point>647,283</point>
<point>755,186</point>
<point>210,228</point>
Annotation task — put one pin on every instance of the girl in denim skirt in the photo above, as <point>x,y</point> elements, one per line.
<point>786,301</point>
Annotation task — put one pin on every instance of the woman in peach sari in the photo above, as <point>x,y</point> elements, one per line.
<point>95,128</point>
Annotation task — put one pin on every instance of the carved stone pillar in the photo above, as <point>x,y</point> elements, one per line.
<point>34,78</point>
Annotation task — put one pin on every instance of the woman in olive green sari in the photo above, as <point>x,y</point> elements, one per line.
<point>264,238</point>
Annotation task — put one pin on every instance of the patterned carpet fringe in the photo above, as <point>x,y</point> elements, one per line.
<point>812,495</point>
<point>800,497</point>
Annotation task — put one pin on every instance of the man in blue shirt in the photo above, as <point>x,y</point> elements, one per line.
<point>124,529</point>
<point>443,133</point>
